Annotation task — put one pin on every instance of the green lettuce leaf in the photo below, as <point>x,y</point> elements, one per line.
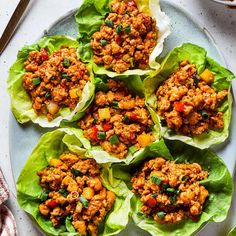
<point>21,103</point>
<point>219,184</point>
<point>223,80</point>
<point>232,232</point>
<point>29,192</point>
<point>90,17</point>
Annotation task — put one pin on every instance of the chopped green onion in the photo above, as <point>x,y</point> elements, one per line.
<point>44,195</point>
<point>165,186</point>
<point>47,95</point>
<point>103,42</point>
<point>131,60</point>
<point>95,120</point>
<point>154,195</point>
<point>52,78</point>
<point>161,214</point>
<point>114,139</point>
<point>204,114</point>
<point>109,23</point>
<point>125,119</point>
<point>66,76</point>
<point>36,81</point>
<point>156,179</point>
<point>127,29</point>
<point>101,135</point>
<point>63,192</point>
<point>183,178</point>
<point>115,104</point>
<point>173,199</point>
<point>133,149</point>
<point>66,62</point>
<point>76,172</point>
<point>172,190</point>
<point>84,201</point>
<point>119,29</point>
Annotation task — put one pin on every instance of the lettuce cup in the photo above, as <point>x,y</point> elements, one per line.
<point>121,37</point>
<point>118,124</point>
<point>190,97</point>
<point>69,194</point>
<point>178,188</point>
<point>48,83</point>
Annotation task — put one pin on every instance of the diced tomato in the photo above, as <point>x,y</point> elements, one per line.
<point>106,126</point>
<point>151,202</point>
<point>57,54</point>
<point>165,181</point>
<point>52,204</point>
<point>94,133</point>
<point>179,106</point>
<point>133,116</point>
<point>131,3</point>
<point>44,54</point>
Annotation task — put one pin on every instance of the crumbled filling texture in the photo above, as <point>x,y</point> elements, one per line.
<point>170,192</point>
<point>54,81</point>
<point>73,190</point>
<point>118,121</point>
<point>188,104</point>
<point>126,38</point>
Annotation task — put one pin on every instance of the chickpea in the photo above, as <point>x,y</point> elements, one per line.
<point>44,210</point>
<point>80,226</point>
<point>88,193</point>
<point>95,183</point>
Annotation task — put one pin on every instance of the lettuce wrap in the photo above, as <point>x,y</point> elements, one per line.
<point>29,192</point>
<point>222,80</point>
<point>90,17</point>
<point>135,86</point>
<point>219,185</point>
<point>21,103</point>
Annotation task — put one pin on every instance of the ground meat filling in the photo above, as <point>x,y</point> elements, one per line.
<point>126,38</point>
<point>54,81</point>
<point>118,121</point>
<point>73,189</point>
<point>188,104</point>
<point>170,192</point>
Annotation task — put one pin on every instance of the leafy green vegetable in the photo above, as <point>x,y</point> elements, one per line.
<point>232,232</point>
<point>84,201</point>
<point>219,184</point>
<point>90,17</point>
<point>29,192</point>
<point>21,103</point>
<point>223,78</point>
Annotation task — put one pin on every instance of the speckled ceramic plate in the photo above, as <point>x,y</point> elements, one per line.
<point>183,29</point>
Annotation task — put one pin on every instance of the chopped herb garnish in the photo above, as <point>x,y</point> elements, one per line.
<point>109,23</point>
<point>133,149</point>
<point>154,195</point>
<point>171,190</point>
<point>115,104</point>
<point>114,139</point>
<point>165,186</point>
<point>66,76</point>
<point>66,62</point>
<point>125,119</point>
<point>204,114</point>
<point>95,119</point>
<point>161,214</point>
<point>84,201</point>
<point>36,81</point>
<point>52,78</point>
<point>44,195</point>
<point>48,94</point>
<point>119,29</point>
<point>131,60</point>
<point>101,135</point>
<point>63,192</point>
<point>103,42</point>
<point>140,214</point>
<point>76,172</point>
<point>127,29</point>
<point>183,178</point>
<point>156,179</point>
